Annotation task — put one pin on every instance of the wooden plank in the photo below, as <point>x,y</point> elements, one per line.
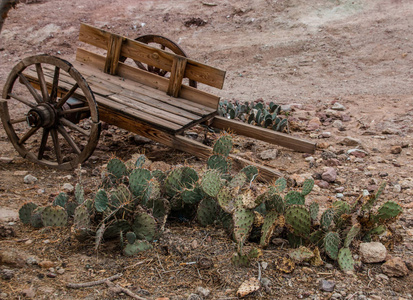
<point>177,75</point>
<point>113,54</point>
<point>148,80</point>
<point>155,57</point>
<point>263,134</point>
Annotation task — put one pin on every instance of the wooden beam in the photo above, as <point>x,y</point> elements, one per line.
<point>113,54</point>
<point>177,74</point>
<point>263,134</point>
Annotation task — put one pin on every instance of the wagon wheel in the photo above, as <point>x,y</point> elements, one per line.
<point>49,126</point>
<point>165,44</point>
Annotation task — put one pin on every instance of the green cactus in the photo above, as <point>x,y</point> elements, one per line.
<point>331,244</point>
<point>294,197</point>
<point>144,226</point>
<point>160,208</point>
<point>70,208</point>
<point>137,247</point>
<point>61,199</point>
<point>207,211</point>
<point>25,212</point>
<point>179,179</point>
<point>218,162</point>
<point>101,200</point>
<point>211,183</point>
<point>275,202</point>
<point>223,145</point>
<point>115,228</point>
<point>192,196</point>
<point>345,260</point>
<point>280,184</point>
<point>353,232</point>
<point>238,180</point>
<point>327,218</point>
<point>240,260</point>
<point>117,168</point>
<point>36,217</point>
<point>317,238</point>
<point>297,217</point>
<point>81,218</point>
<point>130,237</point>
<point>119,196</point>
<point>226,199</point>
<point>242,220</point>
<point>54,216</point>
<point>139,182</point>
<point>268,227</point>
<point>301,254</point>
<point>251,172</point>
<point>159,175</point>
<point>314,208</point>
<point>388,211</point>
<point>79,193</point>
<point>247,199</point>
<point>295,241</point>
<point>140,161</point>
<point>307,186</point>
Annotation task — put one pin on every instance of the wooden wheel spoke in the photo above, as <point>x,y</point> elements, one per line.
<point>18,120</point>
<point>18,98</point>
<point>42,81</point>
<point>27,135</point>
<point>74,110</point>
<point>31,89</point>
<point>67,96</point>
<point>55,86</point>
<point>56,145</point>
<point>43,143</point>
<point>68,138</point>
<point>73,126</point>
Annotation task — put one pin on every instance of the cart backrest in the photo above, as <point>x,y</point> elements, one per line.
<point>180,67</point>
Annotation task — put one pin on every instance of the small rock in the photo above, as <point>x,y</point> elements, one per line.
<point>41,191</point>
<point>194,297</point>
<point>3,295</point>
<point>339,189</point>
<point>51,275</point>
<point>338,124</point>
<point>46,264</point>
<point>31,261</point>
<point>61,271</point>
<point>326,134</point>
<point>7,274</point>
<point>336,296</point>
<point>395,150</point>
<point>264,265</point>
<point>339,195</point>
<point>313,124</point>
<point>29,179</point>
<point>29,293</point>
<point>203,291</point>
<point>397,188</point>
<point>12,258</point>
<point>382,277</point>
<point>339,107</point>
<point>141,140</point>
<point>349,141</point>
<point>373,252</point>
<point>329,175</point>
<point>300,178</point>
<point>395,267</point>
<point>327,285</point>
<point>6,160</point>
<point>286,107</point>
<point>67,187</point>
<point>322,184</point>
<point>309,159</point>
<point>268,154</point>
<point>329,266</point>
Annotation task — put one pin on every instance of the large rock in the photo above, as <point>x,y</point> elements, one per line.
<point>395,267</point>
<point>373,252</point>
<point>329,175</point>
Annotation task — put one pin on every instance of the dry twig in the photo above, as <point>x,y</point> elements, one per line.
<point>93,283</point>
<point>119,289</point>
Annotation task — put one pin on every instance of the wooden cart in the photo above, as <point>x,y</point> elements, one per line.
<point>52,109</point>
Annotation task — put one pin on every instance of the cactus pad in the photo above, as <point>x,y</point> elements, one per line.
<point>242,220</point>
<point>223,145</point>
<point>226,199</point>
<point>139,182</point>
<point>81,218</point>
<point>137,247</point>
<point>101,200</point>
<point>36,217</point>
<point>294,197</point>
<point>179,179</point>
<point>192,196</point>
<point>280,184</point>
<point>327,218</point>
<point>54,216</point>
<point>160,208</point>
<point>275,202</point>
<point>218,162</point>
<point>61,199</point>
<point>25,212</point>
<point>144,226</point>
<point>297,217</point>
<point>207,211</point>
<point>251,172</point>
<point>345,260</point>
<point>307,186</point>
<point>353,232</point>
<point>238,180</point>
<point>388,211</point>
<point>116,168</point>
<point>301,254</point>
<point>114,229</point>
<point>270,222</point>
<point>79,193</point>
<point>211,183</point>
<point>331,244</point>
<point>314,208</point>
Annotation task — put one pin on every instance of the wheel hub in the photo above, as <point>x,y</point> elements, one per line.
<point>41,116</point>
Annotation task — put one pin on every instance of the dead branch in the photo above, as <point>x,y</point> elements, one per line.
<point>119,289</point>
<point>93,283</point>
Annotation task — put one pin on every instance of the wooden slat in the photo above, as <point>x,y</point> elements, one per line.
<point>113,54</point>
<point>263,134</point>
<point>177,75</point>
<point>153,56</point>
<point>148,80</point>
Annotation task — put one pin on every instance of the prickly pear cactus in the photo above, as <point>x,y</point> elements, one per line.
<point>130,237</point>
<point>314,208</point>
<point>353,232</point>
<point>251,172</point>
<point>275,202</point>
<point>297,217</point>
<point>219,163</point>
<point>211,183</point>
<point>294,197</point>
<point>243,220</point>
<point>54,216</point>
<point>307,186</point>
<point>25,212</point>
<point>192,196</point>
<point>101,200</point>
<point>345,260</point>
<point>36,217</point>
<point>238,180</point>
<point>79,193</point>
<point>70,208</point>
<point>240,260</point>
<point>179,179</point>
<point>61,199</point>
<point>144,226</point>
<point>160,208</point>
<point>139,182</point>
<point>327,218</point>
<point>117,168</point>
<point>331,244</point>
<point>81,218</point>
<point>388,211</point>
<point>270,222</point>
<point>280,184</point>
<point>226,199</point>
<point>223,145</point>
<point>137,247</point>
<point>114,229</point>
<point>120,196</point>
<point>140,161</point>
<point>207,211</point>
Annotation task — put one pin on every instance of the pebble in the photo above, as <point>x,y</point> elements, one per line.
<point>339,195</point>
<point>338,106</point>
<point>382,277</point>
<point>29,179</point>
<point>395,150</point>
<point>268,154</point>
<point>41,191</point>
<point>373,252</point>
<point>194,297</point>
<point>336,296</point>
<point>67,187</point>
<point>46,264</point>
<point>322,184</point>
<point>264,265</point>
<point>309,159</point>
<point>203,291</point>
<point>395,267</point>
<point>339,189</point>
<point>313,124</point>
<point>327,285</point>
<point>338,124</point>
<point>140,140</point>
<point>7,274</point>
<point>29,292</point>
<point>6,160</point>
<point>326,134</point>
<point>3,295</point>
<point>329,266</point>
<point>31,261</point>
<point>51,275</point>
<point>329,175</point>
<point>350,141</point>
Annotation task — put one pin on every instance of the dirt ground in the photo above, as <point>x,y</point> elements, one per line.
<point>307,55</point>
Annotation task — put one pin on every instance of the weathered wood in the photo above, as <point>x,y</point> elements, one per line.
<point>177,75</point>
<point>153,57</point>
<point>113,54</point>
<point>263,134</point>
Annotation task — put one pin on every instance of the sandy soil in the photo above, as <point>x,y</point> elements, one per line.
<point>306,54</point>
